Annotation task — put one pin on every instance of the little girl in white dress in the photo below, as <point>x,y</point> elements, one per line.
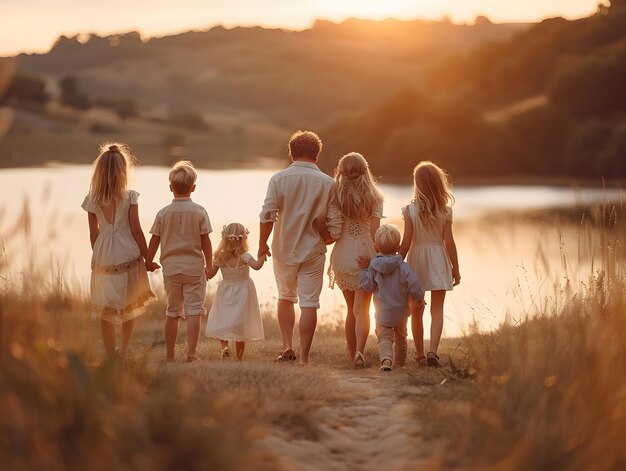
<point>235,314</point>
<point>120,290</point>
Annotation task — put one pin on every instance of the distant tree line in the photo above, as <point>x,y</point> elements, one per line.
<point>30,91</point>
<point>578,67</point>
<point>26,89</point>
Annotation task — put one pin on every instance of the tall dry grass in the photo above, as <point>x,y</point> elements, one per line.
<point>550,392</point>
<point>65,406</point>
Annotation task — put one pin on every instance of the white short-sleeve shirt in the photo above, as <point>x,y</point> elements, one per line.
<point>180,226</point>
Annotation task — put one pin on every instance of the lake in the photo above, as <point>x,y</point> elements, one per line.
<point>516,247</point>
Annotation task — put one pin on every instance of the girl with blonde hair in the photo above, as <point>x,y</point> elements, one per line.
<point>235,314</point>
<point>354,214</point>
<point>431,252</point>
<point>120,290</point>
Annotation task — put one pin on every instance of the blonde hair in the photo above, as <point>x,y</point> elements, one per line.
<point>387,239</point>
<point>305,144</point>
<point>432,191</point>
<point>183,176</point>
<point>234,242</point>
<point>109,179</point>
<point>355,189</point>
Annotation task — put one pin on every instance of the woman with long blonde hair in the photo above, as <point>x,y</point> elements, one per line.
<point>431,252</point>
<point>119,281</point>
<point>354,214</point>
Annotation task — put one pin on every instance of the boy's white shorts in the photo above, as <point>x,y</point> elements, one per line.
<point>185,295</point>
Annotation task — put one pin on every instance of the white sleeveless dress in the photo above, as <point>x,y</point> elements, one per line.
<point>354,239</point>
<point>120,290</point>
<point>428,256</point>
<point>235,313</point>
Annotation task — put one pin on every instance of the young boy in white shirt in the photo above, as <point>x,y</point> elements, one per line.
<point>182,230</point>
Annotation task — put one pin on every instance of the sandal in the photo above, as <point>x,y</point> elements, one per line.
<point>191,358</point>
<point>225,354</point>
<point>287,355</point>
<point>386,365</point>
<point>421,361</point>
<point>433,360</point>
<point>359,360</point>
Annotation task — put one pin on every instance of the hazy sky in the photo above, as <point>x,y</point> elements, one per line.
<point>33,25</point>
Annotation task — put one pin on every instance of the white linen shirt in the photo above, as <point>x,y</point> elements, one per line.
<point>296,196</point>
<point>180,226</point>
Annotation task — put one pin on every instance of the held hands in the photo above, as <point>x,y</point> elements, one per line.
<point>264,250</point>
<point>151,266</point>
<point>207,272</point>
<point>320,224</point>
<point>364,262</point>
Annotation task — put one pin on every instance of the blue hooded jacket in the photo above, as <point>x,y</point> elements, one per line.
<point>392,281</point>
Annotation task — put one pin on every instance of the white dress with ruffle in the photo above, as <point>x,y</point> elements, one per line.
<point>120,290</point>
<point>428,256</point>
<point>235,313</point>
<point>354,239</point>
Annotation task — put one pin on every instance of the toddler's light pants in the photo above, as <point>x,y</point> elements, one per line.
<point>387,336</point>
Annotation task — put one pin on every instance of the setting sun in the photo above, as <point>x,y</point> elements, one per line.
<point>371,9</point>
<point>34,26</point>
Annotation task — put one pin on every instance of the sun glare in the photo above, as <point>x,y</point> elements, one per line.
<point>373,9</point>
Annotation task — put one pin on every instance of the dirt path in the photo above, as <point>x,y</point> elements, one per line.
<point>376,431</point>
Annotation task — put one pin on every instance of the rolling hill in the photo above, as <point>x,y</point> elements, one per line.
<point>300,78</point>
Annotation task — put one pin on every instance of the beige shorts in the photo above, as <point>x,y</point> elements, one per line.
<point>303,281</point>
<point>185,295</point>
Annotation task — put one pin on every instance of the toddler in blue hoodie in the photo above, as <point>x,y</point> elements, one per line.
<point>392,281</point>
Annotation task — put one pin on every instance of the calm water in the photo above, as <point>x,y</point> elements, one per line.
<point>509,263</point>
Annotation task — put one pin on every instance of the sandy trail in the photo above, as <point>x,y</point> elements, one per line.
<point>377,430</point>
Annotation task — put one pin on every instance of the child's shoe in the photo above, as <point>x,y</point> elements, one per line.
<point>225,354</point>
<point>286,356</point>
<point>359,360</point>
<point>386,365</point>
<point>433,360</point>
<point>191,358</point>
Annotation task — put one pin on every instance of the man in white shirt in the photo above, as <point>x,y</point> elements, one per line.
<point>296,196</point>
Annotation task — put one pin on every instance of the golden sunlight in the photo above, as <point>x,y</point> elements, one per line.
<point>371,9</point>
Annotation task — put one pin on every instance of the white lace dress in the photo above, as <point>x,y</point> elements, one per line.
<point>428,256</point>
<point>235,313</point>
<point>353,240</point>
<point>120,289</point>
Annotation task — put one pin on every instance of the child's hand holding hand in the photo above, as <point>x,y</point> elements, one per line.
<point>151,266</point>
<point>363,262</point>
<point>264,251</point>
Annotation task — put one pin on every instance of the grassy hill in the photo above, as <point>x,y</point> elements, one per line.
<point>220,96</point>
<point>549,101</point>
<point>299,77</point>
